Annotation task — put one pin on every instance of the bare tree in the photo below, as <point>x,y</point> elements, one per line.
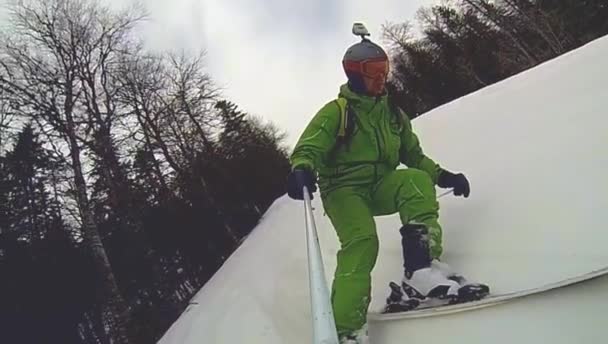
<point>6,119</point>
<point>441,20</point>
<point>43,75</point>
<point>106,37</point>
<point>144,91</point>
<point>548,27</point>
<point>173,99</point>
<point>397,36</point>
<point>488,10</point>
<point>194,94</point>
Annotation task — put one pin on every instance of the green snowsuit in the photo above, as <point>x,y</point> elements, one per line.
<point>358,181</point>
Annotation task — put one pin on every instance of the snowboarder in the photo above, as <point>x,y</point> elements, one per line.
<point>352,148</point>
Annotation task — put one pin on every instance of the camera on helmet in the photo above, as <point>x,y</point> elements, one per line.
<point>360,30</point>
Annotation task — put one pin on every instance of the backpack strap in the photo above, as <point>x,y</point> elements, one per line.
<point>342,104</point>
<point>396,111</point>
<point>346,127</point>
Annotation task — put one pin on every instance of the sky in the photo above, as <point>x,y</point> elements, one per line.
<point>277,59</point>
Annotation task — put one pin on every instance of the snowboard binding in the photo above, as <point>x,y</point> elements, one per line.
<point>472,292</point>
<point>405,298</point>
<point>398,301</point>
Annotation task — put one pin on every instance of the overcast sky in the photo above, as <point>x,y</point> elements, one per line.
<point>275,58</point>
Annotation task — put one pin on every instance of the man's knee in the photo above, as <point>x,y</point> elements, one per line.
<point>358,255</point>
<point>417,181</point>
<point>417,176</point>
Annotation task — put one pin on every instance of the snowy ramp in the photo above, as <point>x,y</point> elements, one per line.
<point>535,148</point>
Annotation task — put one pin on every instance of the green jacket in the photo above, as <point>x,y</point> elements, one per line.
<point>379,143</point>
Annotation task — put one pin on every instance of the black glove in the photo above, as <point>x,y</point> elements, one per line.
<point>458,181</point>
<point>299,178</point>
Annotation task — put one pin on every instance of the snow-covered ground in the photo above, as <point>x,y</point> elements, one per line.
<point>535,148</point>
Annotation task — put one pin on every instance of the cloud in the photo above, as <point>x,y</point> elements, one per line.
<point>281,60</point>
<point>276,59</point>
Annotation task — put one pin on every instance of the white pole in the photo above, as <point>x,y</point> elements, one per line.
<point>445,193</point>
<point>324,326</point>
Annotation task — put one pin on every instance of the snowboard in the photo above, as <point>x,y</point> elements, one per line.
<point>421,310</point>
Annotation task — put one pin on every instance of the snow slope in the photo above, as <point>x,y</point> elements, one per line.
<point>535,148</point>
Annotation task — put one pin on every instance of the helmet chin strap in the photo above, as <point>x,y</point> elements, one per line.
<point>357,85</point>
<point>357,89</point>
<point>362,90</point>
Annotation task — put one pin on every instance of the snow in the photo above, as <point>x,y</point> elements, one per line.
<point>535,150</point>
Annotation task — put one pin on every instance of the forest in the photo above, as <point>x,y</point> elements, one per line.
<point>127,178</point>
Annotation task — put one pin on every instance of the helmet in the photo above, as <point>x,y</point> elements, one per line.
<point>366,66</point>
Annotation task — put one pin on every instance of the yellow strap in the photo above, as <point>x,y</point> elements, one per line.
<point>343,120</point>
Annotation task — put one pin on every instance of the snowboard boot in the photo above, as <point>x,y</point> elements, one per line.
<point>421,279</point>
<point>427,282</point>
<point>349,340</point>
<point>357,337</point>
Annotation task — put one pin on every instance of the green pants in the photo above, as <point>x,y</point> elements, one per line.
<point>351,211</point>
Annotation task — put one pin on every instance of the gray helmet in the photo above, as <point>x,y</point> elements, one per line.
<point>353,63</point>
<point>364,50</point>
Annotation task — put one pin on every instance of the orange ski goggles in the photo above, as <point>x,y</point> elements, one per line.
<point>372,68</point>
